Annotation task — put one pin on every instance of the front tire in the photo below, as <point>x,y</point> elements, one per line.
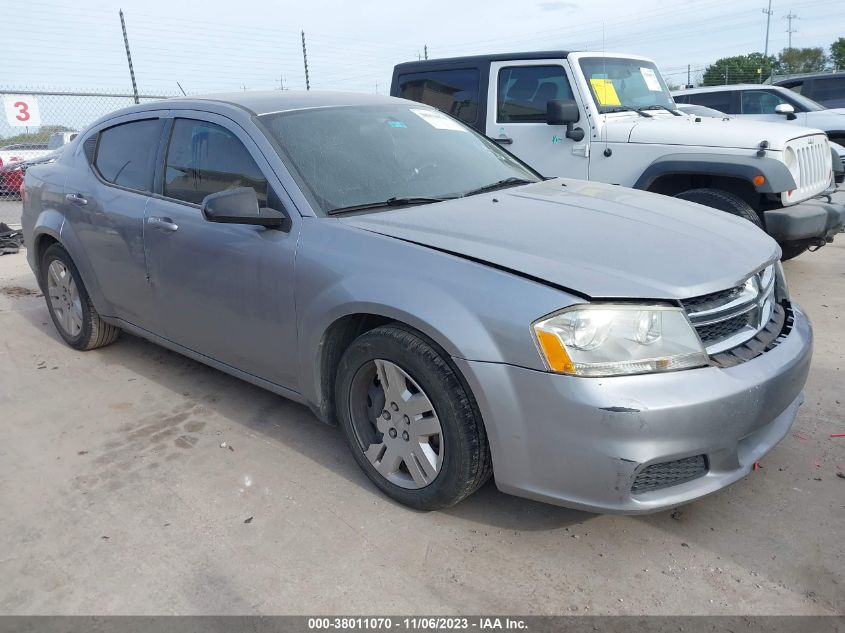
<point>70,307</point>
<point>723,201</point>
<point>411,425</point>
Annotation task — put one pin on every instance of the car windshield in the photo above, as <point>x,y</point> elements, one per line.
<point>619,84</point>
<point>807,104</point>
<point>350,156</point>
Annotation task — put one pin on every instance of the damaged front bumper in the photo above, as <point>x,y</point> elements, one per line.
<point>603,444</point>
<point>817,220</point>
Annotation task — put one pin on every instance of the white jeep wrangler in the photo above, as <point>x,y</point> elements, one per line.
<point>610,118</point>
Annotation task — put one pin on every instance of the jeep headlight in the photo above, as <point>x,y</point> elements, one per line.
<point>790,158</point>
<point>619,339</point>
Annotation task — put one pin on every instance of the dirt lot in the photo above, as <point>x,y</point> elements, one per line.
<point>117,497</point>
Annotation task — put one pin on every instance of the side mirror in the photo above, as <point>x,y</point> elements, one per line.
<point>560,112</point>
<point>785,109</point>
<point>240,206</point>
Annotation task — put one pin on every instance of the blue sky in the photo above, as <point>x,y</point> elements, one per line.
<point>211,45</point>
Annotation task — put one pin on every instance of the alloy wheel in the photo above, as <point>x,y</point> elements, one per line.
<point>64,298</point>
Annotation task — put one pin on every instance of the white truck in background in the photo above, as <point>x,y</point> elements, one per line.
<point>611,118</point>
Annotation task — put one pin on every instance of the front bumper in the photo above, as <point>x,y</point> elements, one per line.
<point>581,442</point>
<point>813,219</point>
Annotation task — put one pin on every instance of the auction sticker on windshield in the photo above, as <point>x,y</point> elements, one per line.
<point>650,78</point>
<point>438,120</point>
<point>605,92</point>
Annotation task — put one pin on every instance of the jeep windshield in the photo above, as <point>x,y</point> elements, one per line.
<point>370,158</point>
<point>619,84</point>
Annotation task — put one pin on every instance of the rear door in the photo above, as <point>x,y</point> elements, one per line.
<point>222,290</point>
<point>105,205</point>
<point>516,116</point>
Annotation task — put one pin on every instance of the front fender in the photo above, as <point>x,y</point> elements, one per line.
<point>471,310</point>
<point>777,177</point>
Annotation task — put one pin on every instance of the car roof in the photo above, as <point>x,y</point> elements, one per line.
<point>690,91</point>
<point>268,101</point>
<point>472,60</point>
<point>839,75</point>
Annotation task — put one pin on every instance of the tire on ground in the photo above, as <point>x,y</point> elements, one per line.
<point>94,332</point>
<point>466,462</point>
<point>723,201</point>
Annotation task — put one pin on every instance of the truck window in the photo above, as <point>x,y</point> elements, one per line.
<point>452,91</point>
<point>830,91</point>
<point>523,92</point>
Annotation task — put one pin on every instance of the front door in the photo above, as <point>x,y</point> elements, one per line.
<point>222,290</point>
<point>516,117</point>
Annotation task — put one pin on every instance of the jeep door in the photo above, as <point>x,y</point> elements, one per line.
<point>516,116</point>
<point>222,290</point>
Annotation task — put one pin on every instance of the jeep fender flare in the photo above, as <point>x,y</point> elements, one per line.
<point>777,176</point>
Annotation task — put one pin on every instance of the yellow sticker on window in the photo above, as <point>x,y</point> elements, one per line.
<point>605,92</point>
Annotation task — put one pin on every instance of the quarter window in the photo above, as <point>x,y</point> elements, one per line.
<point>204,158</point>
<point>830,91</point>
<point>524,91</point>
<point>126,154</point>
<point>452,91</point>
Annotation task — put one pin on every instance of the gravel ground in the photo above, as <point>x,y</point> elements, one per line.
<point>118,498</point>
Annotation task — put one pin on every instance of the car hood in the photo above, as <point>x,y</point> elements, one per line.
<point>598,240</point>
<point>690,130</point>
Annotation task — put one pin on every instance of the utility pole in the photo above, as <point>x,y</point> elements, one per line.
<point>768,13</point>
<point>688,76</point>
<point>129,57</point>
<point>305,61</point>
<point>789,17</point>
<point>425,51</point>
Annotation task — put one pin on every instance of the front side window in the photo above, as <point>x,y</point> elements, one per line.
<point>126,154</point>
<point>617,84</point>
<point>452,91</point>
<point>204,158</point>
<point>524,91</point>
<point>355,155</point>
<point>721,101</point>
<point>760,102</point>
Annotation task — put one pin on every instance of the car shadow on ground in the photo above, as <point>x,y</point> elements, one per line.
<point>294,425</point>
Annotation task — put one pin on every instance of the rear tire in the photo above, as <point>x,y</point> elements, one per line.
<point>723,201</point>
<point>420,439</point>
<point>70,307</point>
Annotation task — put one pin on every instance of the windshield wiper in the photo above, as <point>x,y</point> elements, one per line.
<point>622,108</point>
<point>658,107</point>
<point>499,184</point>
<point>390,202</point>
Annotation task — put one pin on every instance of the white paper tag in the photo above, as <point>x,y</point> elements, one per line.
<point>438,120</point>
<point>22,110</point>
<point>651,80</point>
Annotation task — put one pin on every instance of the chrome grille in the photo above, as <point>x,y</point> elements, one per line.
<point>728,318</point>
<point>667,474</point>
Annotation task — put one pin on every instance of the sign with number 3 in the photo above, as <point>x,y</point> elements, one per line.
<point>22,110</point>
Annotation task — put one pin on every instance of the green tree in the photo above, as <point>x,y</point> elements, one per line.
<point>837,54</point>
<point>801,60</point>
<point>741,69</point>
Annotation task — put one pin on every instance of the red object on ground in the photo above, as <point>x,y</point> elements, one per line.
<point>756,466</point>
<point>837,435</point>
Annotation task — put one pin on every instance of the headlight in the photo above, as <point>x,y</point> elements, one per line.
<point>791,161</point>
<point>781,287</point>
<point>613,340</point>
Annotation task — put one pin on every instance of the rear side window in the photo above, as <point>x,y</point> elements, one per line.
<point>524,91</point>
<point>204,158</point>
<point>830,91</point>
<point>451,91</point>
<point>126,154</point>
<point>721,101</point>
<point>794,86</point>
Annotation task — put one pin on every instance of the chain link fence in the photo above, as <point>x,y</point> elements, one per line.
<point>37,123</point>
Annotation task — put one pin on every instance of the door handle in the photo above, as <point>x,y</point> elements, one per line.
<point>504,140</point>
<point>163,224</point>
<point>76,198</point>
